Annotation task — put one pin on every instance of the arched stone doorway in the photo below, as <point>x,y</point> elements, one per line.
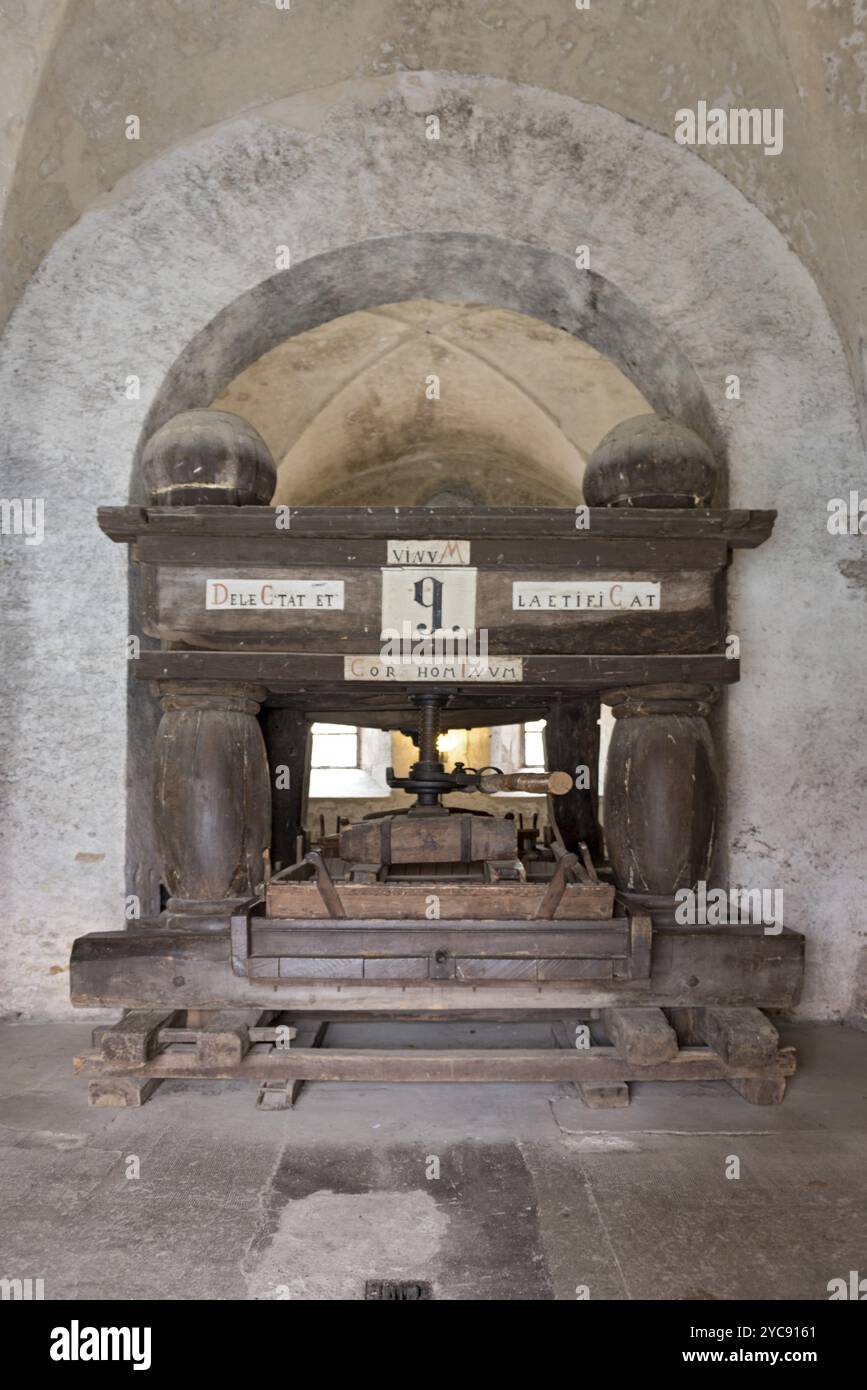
<point>172,283</point>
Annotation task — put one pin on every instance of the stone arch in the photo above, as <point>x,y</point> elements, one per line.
<point>441,266</point>
<point>171,281</point>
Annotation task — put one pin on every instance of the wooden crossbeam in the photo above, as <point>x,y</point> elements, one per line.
<point>595,1064</point>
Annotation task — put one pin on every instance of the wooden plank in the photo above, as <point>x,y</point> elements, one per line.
<point>686,620</point>
<point>487,969</point>
<point>320,968</point>
<point>643,1036</point>
<point>399,968</point>
<point>286,670</point>
<point>574,969</point>
<point>122,524</point>
<point>519,939</point>
<point>440,965</point>
<point>418,839</point>
<point>190,1032</point>
<point>596,1064</point>
<point>737,527</point>
<point>739,1035</point>
<point>578,552</point>
<point>457,901</point>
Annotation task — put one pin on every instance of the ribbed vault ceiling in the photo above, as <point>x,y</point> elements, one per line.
<point>351,413</point>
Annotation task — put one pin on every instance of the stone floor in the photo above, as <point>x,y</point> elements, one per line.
<point>536,1197</point>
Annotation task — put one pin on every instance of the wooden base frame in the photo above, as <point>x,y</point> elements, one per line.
<point>352,967</point>
<point>130,1058</point>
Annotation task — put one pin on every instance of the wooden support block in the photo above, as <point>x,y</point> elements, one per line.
<point>225,1039</point>
<point>643,1037</point>
<point>135,1038</point>
<point>120,1090</point>
<point>766,1090</point>
<point>741,1037</point>
<point>283,1094</point>
<point>685,1024</point>
<point>611,1095</point>
<point>596,1095</point>
<point>278,1095</point>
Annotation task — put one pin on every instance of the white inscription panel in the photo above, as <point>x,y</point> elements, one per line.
<point>431,598</point>
<point>586,595</point>
<point>428,552</point>
<point>463,668</point>
<point>273,594</point>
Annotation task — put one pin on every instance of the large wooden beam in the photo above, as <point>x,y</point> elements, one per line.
<point>595,1064</point>
<point>542,675</point>
<point>738,527</point>
<point>689,966</point>
<point>577,553</point>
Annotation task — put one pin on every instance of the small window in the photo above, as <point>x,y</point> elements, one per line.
<point>534,744</point>
<point>335,745</point>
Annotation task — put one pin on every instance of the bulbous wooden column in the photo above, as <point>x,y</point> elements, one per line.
<point>661,782</point>
<point>213,796</point>
<point>661,792</point>
<point>213,789</point>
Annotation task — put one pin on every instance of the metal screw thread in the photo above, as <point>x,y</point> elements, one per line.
<point>428,732</point>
